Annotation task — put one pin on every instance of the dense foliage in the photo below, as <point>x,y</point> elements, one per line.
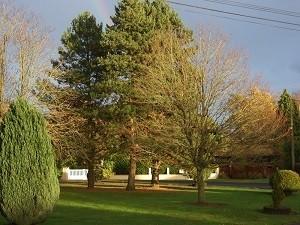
<point>28,178</point>
<point>122,166</point>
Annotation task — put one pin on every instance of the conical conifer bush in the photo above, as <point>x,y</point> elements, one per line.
<point>29,186</point>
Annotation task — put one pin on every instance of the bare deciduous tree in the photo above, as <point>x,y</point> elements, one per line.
<point>203,102</point>
<point>24,50</point>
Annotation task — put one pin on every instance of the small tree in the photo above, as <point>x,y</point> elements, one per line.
<point>29,186</point>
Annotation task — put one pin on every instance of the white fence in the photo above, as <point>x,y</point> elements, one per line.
<point>81,175</point>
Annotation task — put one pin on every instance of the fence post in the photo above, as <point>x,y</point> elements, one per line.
<point>149,172</point>
<point>168,171</point>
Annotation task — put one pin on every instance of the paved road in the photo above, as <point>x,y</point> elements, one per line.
<point>243,184</point>
<point>189,184</point>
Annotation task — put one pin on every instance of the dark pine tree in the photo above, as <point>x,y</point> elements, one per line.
<point>82,79</point>
<point>127,42</point>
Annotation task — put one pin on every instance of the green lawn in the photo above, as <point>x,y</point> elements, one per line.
<point>78,206</point>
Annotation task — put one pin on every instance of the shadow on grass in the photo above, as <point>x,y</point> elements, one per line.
<point>76,215</point>
<point>102,206</point>
<point>166,209</point>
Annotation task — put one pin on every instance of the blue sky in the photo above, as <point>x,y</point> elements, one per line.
<point>274,54</point>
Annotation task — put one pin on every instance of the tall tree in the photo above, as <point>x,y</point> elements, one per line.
<point>203,104</point>
<point>127,44</point>
<point>290,109</point>
<point>79,91</point>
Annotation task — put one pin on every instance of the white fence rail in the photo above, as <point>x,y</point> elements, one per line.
<point>78,174</point>
<point>81,175</point>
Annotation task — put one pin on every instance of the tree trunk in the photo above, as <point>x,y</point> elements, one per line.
<point>2,73</point>
<point>91,174</point>
<point>201,185</point>
<point>91,153</point>
<point>155,173</point>
<point>131,175</point>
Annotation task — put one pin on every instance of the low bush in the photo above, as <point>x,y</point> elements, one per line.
<point>105,171</point>
<point>121,166</point>
<point>283,182</point>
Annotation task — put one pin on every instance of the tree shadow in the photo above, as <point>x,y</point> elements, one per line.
<point>75,215</point>
<point>80,206</point>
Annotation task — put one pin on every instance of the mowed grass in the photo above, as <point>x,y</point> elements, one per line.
<point>79,206</point>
